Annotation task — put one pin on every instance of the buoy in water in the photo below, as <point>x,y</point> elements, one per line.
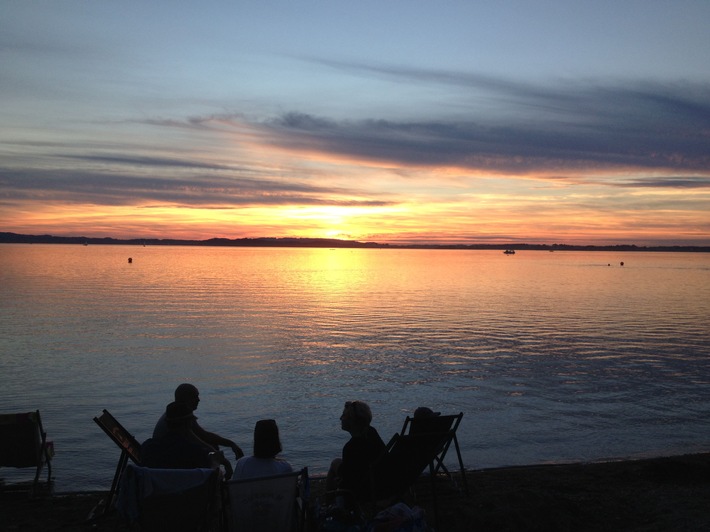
<point>130,260</point>
<point>622,263</point>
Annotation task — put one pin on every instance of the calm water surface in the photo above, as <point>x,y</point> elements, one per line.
<point>552,357</point>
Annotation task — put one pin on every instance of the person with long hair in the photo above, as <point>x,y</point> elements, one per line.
<point>264,461</point>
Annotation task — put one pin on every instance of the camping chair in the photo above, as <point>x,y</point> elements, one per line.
<point>445,427</point>
<point>399,467</point>
<point>23,443</point>
<point>130,448</point>
<point>268,504</point>
<point>170,500</point>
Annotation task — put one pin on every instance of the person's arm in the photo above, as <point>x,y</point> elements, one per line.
<point>215,439</point>
<point>217,458</point>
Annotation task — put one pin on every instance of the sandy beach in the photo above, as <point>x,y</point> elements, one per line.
<point>668,493</point>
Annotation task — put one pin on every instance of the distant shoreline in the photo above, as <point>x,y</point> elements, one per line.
<point>14,238</point>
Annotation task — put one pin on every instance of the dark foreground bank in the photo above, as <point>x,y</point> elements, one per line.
<point>671,493</point>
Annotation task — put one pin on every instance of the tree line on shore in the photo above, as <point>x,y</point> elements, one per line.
<point>14,238</point>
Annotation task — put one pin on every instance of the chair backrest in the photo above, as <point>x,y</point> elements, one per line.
<point>401,464</point>
<point>23,443</point>
<point>21,440</point>
<point>443,426</point>
<point>440,424</point>
<point>169,499</point>
<point>120,436</point>
<point>266,504</point>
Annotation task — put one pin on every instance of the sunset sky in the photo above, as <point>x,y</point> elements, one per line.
<point>460,122</point>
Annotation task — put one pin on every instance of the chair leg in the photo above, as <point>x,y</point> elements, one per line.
<point>432,480</point>
<point>35,483</point>
<point>440,466</point>
<point>38,473</point>
<point>116,478</point>
<point>464,480</point>
<point>49,468</point>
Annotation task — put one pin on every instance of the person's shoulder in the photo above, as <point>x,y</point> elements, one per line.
<point>275,466</point>
<point>283,466</point>
<point>240,467</point>
<point>195,426</point>
<point>244,460</point>
<point>375,437</point>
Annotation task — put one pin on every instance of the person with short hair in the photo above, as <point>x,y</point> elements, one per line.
<point>189,395</point>
<point>351,472</point>
<point>175,449</point>
<point>267,445</point>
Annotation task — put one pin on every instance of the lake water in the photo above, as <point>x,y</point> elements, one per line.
<point>552,357</point>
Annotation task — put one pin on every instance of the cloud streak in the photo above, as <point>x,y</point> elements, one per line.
<point>193,191</point>
<point>600,129</point>
<point>528,129</point>
<point>667,182</point>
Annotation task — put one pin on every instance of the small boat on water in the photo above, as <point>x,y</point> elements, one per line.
<point>509,252</point>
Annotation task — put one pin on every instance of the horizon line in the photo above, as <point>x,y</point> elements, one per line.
<point>317,242</point>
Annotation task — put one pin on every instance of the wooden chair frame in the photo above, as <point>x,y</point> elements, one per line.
<point>130,448</point>
<point>446,426</point>
<point>399,467</point>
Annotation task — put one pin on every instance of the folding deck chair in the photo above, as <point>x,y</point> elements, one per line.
<point>170,500</point>
<point>445,427</point>
<point>23,443</point>
<point>267,504</point>
<point>401,464</point>
<point>130,448</point>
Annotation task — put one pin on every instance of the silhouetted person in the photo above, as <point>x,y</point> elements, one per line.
<point>175,449</point>
<point>190,396</point>
<point>266,446</point>
<point>352,472</point>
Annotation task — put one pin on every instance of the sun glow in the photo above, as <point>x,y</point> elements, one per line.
<point>267,194</point>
